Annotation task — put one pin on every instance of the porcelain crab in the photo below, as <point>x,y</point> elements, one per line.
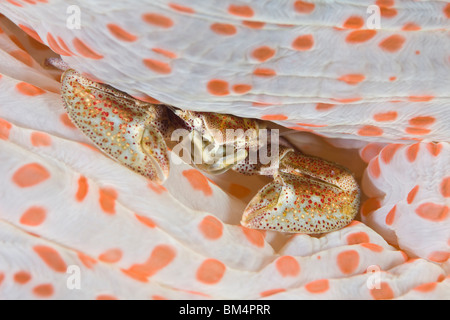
<point>307,194</point>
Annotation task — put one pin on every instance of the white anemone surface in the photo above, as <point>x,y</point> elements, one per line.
<point>74,224</point>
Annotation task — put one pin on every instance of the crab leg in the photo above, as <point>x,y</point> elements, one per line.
<point>130,131</point>
<point>308,195</point>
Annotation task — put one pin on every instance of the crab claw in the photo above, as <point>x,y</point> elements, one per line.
<point>299,199</point>
<point>156,163</point>
<point>126,129</point>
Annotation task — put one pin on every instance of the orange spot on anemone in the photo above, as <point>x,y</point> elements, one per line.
<point>263,53</point>
<point>224,29</point>
<point>304,7</point>
<point>318,286</point>
<point>354,22</point>
<point>29,89</point>
<point>211,271</point>
<point>432,211</point>
<point>384,292</point>
<point>198,181</point>
<point>107,200</point>
<point>385,116</point>
<point>287,266</point>
<point>146,221</point>
<point>303,43</point>
<point>162,255</point>
<point>111,255</point>
<point>51,258</point>
<point>40,139</point>
<point>241,88</point>
<point>180,8</point>
<point>393,43</point>
<point>158,66</point>
<point>370,131</point>
<point>264,72</point>
<point>120,33</point>
<point>218,87</point>
<point>85,50</point>
<point>359,36</point>
<point>5,128</point>
<point>352,79</point>
<point>211,228</point>
<point>158,20</point>
<point>241,11</point>
<point>33,216</point>
<point>30,175</point>
<point>274,117</point>
<point>348,261</point>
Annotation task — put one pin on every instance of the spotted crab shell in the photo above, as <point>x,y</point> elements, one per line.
<point>66,209</point>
